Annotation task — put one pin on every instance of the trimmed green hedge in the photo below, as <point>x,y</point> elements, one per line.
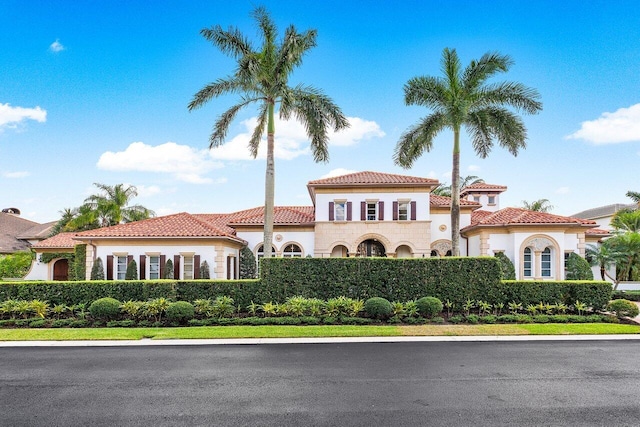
<point>454,279</point>
<point>594,294</point>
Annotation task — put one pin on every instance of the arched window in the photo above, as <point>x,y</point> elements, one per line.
<point>292,251</point>
<point>527,262</point>
<point>545,265</point>
<point>434,254</point>
<point>449,253</point>
<point>260,252</point>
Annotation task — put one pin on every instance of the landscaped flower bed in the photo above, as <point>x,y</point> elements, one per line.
<point>223,310</point>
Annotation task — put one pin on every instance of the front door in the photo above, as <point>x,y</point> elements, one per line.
<point>61,270</point>
<point>370,248</point>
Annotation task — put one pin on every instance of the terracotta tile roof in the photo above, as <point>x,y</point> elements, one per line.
<point>59,241</point>
<point>519,216</point>
<point>478,215</point>
<point>483,186</point>
<point>282,215</point>
<point>445,201</point>
<point>598,232</point>
<point>367,178</point>
<point>177,225</point>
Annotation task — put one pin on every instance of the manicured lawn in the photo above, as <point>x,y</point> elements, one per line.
<point>213,332</point>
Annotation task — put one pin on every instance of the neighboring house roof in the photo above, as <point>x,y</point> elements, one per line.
<point>604,211</point>
<point>519,216</point>
<point>38,231</point>
<point>445,201</point>
<point>484,187</point>
<point>59,241</point>
<point>12,226</point>
<point>597,232</point>
<point>170,226</point>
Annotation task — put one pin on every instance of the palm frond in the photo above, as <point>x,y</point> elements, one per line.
<point>254,142</point>
<point>418,139</point>
<point>221,127</point>
<point>229,85</point>
<point>479,71</point>
<point>479,129</point>
<point>508,129</point>
<point>230,41</point>
<point>513,94</point>
<point>451,67</point>
<point>426,91</point>
<point>294,46</point>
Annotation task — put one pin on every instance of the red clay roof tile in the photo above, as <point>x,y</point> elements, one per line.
<point>372,178</point>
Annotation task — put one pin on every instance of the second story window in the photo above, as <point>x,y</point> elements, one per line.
<point>372,211</point>
<point>340,211</point>
<point>403,210</point>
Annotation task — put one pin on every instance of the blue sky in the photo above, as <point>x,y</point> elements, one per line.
<point>98,92</point>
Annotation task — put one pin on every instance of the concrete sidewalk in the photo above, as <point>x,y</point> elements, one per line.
<point>340,340</point>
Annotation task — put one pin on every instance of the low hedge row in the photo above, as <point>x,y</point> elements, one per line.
<point>71,293</point>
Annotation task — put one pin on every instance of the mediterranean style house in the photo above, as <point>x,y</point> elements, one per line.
<point>356,215</point>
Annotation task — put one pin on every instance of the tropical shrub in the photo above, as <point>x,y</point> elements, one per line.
<point>167,271</point>
<point>180,311</point>
<point>204,270</point>
<point>378,308</point>
<point>578,268</point>
<point>429,306</point>
<point>105,309</point>
<point>15,265</point>
<point>248,266</point>
<point>623,308</point>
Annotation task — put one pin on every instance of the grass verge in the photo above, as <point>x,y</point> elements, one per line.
<point>217,332</point>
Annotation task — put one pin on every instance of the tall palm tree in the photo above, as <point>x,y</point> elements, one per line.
<point>261,77</point>
<point>464,98</point>
<point>111,205</point>
<point>540,205</point>
<point>603,256</point>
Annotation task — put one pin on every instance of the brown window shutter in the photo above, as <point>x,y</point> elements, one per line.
<point>380,210</point>
<point>229,267</point>
<point>331,209</point>
<point>395,211</point>
<point>176,267</point>
<point>349,209</point>
<point>109,267</point>
<point>363,211</point>
<point>163,260</point>
<point>143,267</point>
<point>196,266</point>
<point>413,211</point>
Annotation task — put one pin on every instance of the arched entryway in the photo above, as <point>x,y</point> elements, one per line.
<point>371,248</point>
<point>61,270</point>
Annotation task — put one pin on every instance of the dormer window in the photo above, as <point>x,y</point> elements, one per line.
<point>476,199</point>
<point>492,200</point>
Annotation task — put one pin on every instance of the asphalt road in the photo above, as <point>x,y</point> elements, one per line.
<point>595,383</point>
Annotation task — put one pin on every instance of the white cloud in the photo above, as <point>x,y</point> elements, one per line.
<point>21,174</point>
<point>562,190</point>
<point>473,168</point>
<point>12,116</point>
<point>432,174</point>
<point>611,128</point>
<point>338,172</point>
<point>56,46</point>
<point>147,191</point>
<point>291,139</point>
<point>183,162</point>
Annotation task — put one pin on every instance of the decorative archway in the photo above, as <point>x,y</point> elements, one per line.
<point>404,251</point>
<point>61,270</point>
<point>339,251</point>
<point>441,248</point>
<point>371,248</point>
<point>540,258</point>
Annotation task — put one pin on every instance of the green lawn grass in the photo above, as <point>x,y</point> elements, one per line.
<point>218,332</point>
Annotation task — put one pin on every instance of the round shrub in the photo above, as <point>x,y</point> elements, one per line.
<point>105,309</point>
<point>378,308</point>
<point>180,311</point>
<point>623,308</point>
<point>429,306</point>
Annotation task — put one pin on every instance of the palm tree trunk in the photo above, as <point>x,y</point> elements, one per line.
<point>269,184</point>
<point>455,195</point>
